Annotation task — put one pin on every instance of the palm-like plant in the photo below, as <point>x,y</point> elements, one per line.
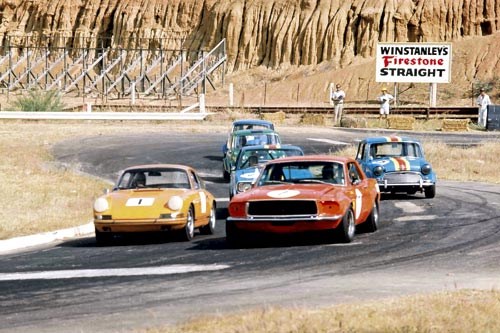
<point>39,100</point>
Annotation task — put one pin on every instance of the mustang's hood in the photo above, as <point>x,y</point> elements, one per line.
<point>142,203</point>
<point>392,164</point>
<point>247,174</point>
<point>290,191</point>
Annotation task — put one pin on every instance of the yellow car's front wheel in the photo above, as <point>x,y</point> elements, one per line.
<point>187,232</point>
<point>209,229</point>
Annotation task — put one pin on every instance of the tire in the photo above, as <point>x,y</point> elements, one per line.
<point>430,192</point>
<point>187,232</point>
<point>103,238</point>
<point>225,173</point>
<point>371,222</point>
<point>233,235</point>
<point>347,228</point>
<point>209,229</point>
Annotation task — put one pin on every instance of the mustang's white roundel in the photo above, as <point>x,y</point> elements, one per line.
<point>283,194</point>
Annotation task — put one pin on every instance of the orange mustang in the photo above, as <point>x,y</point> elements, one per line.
<point>155,198</point>
<point>306,193</point>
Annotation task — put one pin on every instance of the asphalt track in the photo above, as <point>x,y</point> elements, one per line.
<point>423,245</point>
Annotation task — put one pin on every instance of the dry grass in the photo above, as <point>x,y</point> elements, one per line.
<point>38,194</point>
<point>459,312</point>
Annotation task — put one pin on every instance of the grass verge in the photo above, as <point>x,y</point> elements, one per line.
<point>461,311</point>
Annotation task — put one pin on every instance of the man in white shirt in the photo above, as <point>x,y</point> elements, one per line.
<point>338,97</point>
<point>483,100</point>
<point>385,100</point>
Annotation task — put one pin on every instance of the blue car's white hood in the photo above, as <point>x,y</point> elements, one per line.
<point>247,174</point>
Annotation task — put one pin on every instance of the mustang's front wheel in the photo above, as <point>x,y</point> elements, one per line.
<point>347,228</point>
<point>233,235</point>
<point>371,223</point>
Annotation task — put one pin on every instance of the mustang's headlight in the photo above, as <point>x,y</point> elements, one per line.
<point>175,203</point>
<point>243,186</point>
<point>426,169</point>
<point>378,171</point>
<point>101,205</point>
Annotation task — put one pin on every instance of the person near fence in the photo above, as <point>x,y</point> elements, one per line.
<point>385,99</point>
<point>483,100</point>
<point>337,98</point>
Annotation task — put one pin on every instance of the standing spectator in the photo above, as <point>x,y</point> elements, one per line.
<point>384,100</point>
<point>338,97</point>
<point>483,100</point>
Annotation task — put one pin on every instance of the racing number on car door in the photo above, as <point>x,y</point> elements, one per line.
<point>201,193</point>
<point>356,181</point>
<point>203,202</point>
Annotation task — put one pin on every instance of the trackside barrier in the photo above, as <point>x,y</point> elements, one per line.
<point>401,122</point>
<point>455,125</point>
<point>104,115</point>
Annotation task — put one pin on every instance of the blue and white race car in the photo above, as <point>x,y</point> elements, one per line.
<point>398,164</point>
<point>246,124</point>
<point>251,158</point>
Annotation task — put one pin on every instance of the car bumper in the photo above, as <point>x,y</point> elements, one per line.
<point>404,181</point>
<point>286,224</point>
<point>388,186</point>
<point>145,225</point>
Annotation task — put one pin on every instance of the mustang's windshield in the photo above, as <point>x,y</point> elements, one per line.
<point>303,172</point>
<point>159,178</point>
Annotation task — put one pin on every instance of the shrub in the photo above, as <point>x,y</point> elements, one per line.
<point>39,100</point>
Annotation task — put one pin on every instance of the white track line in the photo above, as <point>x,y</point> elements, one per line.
<point>333,142</point>
<point>92,273</point>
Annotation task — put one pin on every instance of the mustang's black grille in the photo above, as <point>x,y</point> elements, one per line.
<point>282,207</point>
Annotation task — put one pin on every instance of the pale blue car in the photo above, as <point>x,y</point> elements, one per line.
<point>398,164</point>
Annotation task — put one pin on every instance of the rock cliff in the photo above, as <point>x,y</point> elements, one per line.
<point>275,34</point>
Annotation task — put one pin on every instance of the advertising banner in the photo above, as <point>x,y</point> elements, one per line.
<point>413,62</point>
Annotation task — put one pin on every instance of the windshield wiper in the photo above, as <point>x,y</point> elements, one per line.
<point>268,182</point>
<point>317,181</point>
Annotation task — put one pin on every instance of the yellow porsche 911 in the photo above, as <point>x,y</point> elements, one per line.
<point>155,198</point>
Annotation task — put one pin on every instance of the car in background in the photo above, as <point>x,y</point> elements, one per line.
<point>398,164</point>
<point>242,138</point>
<point>155,198</point>
<point>251,158</point>
<point>321,193</point>
<point>243,124</point>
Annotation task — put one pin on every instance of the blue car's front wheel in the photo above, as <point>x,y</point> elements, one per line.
<point>430,192</point>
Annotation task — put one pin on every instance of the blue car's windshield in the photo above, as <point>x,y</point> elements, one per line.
<point>250,157</point>
<point>395,149</point>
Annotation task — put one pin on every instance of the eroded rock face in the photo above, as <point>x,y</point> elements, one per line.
<point>271,33</point>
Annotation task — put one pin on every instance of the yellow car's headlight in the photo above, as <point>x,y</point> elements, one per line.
<point>175,203</point>
<point>101,205</point>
